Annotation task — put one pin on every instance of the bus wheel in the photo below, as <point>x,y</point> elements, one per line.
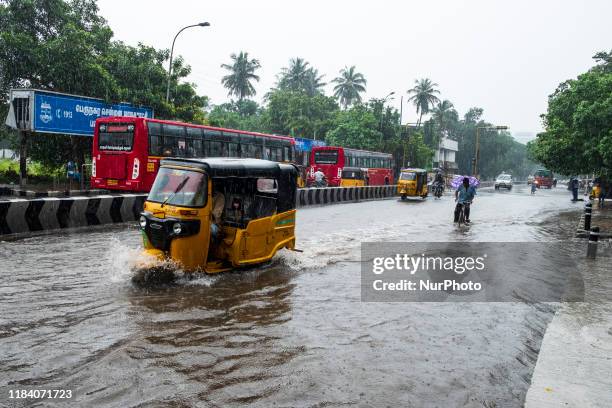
<point>386,181</point>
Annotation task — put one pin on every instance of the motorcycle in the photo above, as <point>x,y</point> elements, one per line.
<point>438,190</point>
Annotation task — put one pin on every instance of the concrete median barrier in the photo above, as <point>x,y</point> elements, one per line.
<point>22,216</point>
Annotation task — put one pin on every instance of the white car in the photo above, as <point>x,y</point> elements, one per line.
<point>503,180</point>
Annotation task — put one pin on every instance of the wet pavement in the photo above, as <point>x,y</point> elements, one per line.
<point>292,333</point>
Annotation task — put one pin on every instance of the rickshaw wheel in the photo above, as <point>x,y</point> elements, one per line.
<point>403,198</point>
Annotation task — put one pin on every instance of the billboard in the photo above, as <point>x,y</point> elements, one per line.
<point>52,112</point>
<point>306,145</point>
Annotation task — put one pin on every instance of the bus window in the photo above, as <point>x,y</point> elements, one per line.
<point>326,156</point>
<point>155,138</point>
<point>267,153</point>
<point>250,151</point>
<point>286,156</point>
<point>174,140</point>
<point>194,142</point>
<point>233,150</point>
<point>216,149</point>
<point>116,136</point>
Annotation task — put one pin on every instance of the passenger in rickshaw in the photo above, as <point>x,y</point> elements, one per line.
<point>217,211</point>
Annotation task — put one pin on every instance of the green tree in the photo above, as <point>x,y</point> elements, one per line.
<point>67,47</point>
<point>314,82</point>
<point>473,115</point>
<point>295,76</point>
<point>417,153</point>
<point>349,85</point>
<point>299,76</point>
<point>297,114</point>
<point>242,73</point>
<point>578,123</point>
<point>243,115</point>
<point>423,96</point>
<point>445,116</point>
<point>357,127</point>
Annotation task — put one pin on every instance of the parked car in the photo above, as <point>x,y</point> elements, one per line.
<point>503,181</point>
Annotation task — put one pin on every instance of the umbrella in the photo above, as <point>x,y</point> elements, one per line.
<point>458,180</point>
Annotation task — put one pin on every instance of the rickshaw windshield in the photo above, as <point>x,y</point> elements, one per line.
<point>407,176</point>
<point>184,188</point>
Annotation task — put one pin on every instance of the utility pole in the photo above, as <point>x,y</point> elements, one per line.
<point>23,156</point>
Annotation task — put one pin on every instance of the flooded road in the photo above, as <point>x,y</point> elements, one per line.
<point>293,333</point>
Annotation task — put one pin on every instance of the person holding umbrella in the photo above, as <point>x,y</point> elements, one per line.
<point>465,194</point>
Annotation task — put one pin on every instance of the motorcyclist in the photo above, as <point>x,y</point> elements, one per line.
<point>319,177</point>
<point>464,194</point>
<point>439,181</point>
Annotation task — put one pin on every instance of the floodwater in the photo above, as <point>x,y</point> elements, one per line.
<point>292,333</point>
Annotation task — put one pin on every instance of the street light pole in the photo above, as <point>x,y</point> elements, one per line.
<point>205,24</point>
<point>477,153</point>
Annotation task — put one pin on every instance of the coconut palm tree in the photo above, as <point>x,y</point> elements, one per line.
<point>444,114</point>
<point>349,85</point>
<point>314,82</point>
<point>423,96</point>
<point>242,72</point>
<point>296,76</point>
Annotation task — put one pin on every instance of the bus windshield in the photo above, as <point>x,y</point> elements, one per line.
<point>116,136</point>
<point>182,188</point>
<point>543,173</point>
<point>326,156</point>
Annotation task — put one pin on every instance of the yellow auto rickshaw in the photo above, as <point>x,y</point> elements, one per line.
<point>412,183</point>
<point>217,214</point>
<point>353,177</point>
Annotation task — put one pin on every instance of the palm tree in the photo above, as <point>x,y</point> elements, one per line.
<point>348,86</point>
<point>444,114</point>
<point>423,97</point>
<point>295,77</point>
<point>314,82</point>
<point>242,73</point>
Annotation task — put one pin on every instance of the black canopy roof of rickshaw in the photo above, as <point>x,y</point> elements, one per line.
<point>232,167</point>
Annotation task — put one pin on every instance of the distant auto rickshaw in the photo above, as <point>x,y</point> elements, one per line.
<point>353,177</point>
<point>217,214</point>
<point>412,183</point>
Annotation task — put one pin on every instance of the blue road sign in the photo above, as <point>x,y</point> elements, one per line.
<point>76,115</point>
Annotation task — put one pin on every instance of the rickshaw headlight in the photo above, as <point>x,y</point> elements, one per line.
<point>177,228</point>
<point>143,221</point>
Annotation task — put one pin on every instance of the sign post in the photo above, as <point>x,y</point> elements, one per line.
<point>33,111</point>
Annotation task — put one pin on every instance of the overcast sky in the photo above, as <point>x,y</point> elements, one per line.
<point>505,56</point>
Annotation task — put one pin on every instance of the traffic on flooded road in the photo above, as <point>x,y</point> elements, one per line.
<point>262,335</point>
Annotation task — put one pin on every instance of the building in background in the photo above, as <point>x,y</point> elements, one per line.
<point>444,157</point>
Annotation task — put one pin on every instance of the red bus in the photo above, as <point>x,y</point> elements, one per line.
<point>332,159</point>
<point>543,178</point>
<point>127,151</point>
